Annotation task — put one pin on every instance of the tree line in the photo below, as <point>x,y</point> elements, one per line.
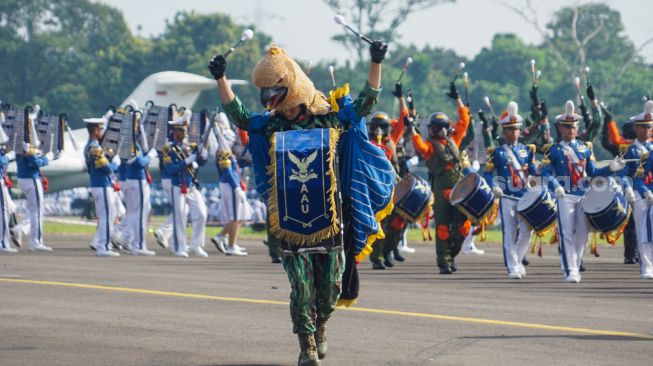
<point>77,56</point>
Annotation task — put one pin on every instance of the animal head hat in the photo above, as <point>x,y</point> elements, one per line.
<point>284,85</point>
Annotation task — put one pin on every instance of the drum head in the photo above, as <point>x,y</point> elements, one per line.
<point>464,188</point>
<point>597,200</point>
<point>403,187</point>
<point>528,199</point>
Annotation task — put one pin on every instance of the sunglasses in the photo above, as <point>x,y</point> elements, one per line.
<point>570,126</point>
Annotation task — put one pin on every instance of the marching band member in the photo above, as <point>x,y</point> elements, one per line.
<point>5,158</point>
<point>386,133</point>
<point>100,170</point>
<point>315,271</point>
<point>181,160</point>
<point>30,182</point>
<point>570,162</point>
<point>444,162</point>
<point>643,182</point>
<point>513,162</point>
<point>234,207</point>
<point>136,189</point>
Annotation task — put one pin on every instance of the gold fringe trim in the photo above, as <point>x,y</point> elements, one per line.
<point>346,303</point>
<point>291,236</point>
<point>336,94</point>
<point>612,236</point>
<point>488,217</point>
<point>382,214</point>
<point>426,210</point>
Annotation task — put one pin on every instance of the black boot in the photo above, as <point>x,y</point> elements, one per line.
<point>525,261</point>
<point>321,339</point>
<point>454,268</point>
<point>377,264</point>
<point>398,256</point>
<point>308,350</point>
<point>446,270</point>
<point>582,267</point>
<point>388,261</point>
<point>275,259</point>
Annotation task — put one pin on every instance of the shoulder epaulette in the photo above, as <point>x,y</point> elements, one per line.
<point>588,144</point>
<point>490,150</point>
<point>623,148</point>
<point>546,147</point>
<point>531,147</point>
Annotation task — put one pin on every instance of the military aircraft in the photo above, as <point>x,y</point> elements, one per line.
<point>162,88</point>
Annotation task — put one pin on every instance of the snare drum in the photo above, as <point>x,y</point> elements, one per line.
<point>539,209</point>
<point>413,198</point>
<point>605,209</point>
<point>473,196</point>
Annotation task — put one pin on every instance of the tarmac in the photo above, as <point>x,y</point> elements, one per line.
<point>69,307</point>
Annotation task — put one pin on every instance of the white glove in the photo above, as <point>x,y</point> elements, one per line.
<point>116,161</point>
<point>617,164</point>
<point>11,155</point>
<point>475,166</point>
<point>559,193</point>
<point>26,147</point>
<point>498,192</point>
<point>49,155</point>
<point>194,165</point>
<point>131,161</point>
<point>204,153</point>
<point>649,197</point>
<point>152,154</point>
<point>190,159</point>
<point>630,195</point>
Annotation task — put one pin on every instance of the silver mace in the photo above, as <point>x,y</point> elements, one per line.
<point>537,74</point>
<point>579,93</point>
<point>460,68</point>
<point>342,21</point>
<point>409,61</point>
<point>333,77</point>
<point>486,100</point>
<point>247,35</point>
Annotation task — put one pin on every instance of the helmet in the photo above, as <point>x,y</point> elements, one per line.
<point>380,119</point>
<point>438,119</point>
<point>438,124</point>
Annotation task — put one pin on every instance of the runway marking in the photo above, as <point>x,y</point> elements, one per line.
<point>352,309</point>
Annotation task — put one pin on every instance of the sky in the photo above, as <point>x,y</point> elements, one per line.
<point>305,27</point>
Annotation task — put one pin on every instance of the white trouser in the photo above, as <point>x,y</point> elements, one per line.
<point>193,198</point>
<point>121,230</point>
<point>468,244</point>
<point>5,211</point>
<point>573,233</point>
<point>105,211</point>
<point>643,216</point>
<point>137,200</point>
<point>33,190</point>
<point>166,228</point>
<point>516,235</point>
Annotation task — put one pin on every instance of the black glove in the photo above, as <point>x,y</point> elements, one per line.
<point>398,91</point>
<point>543,109</point>
<point>590,91</point>
<point>533,94</point>
<point>607,116</point>
<point>481,116</point>
<point>453,92</point>
<point>217,66</point>
<point>377,51</point>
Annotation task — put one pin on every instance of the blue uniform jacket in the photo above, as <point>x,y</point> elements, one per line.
<point>136,170</point>
<point>4,163</point>
<point>98,166</point>
<point>501,162</point>
<point>555,167</point>
<point>230,175</point>
<point>28,165</point>
<point>635,170</point>
<point>174,156</point>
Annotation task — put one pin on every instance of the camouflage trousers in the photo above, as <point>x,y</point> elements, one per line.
<point>315,285</point>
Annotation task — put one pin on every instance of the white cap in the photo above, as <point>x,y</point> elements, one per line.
<point>512,118</point>
<point>103,119</point>
<point>647,116</point>
<point>569,117</point>
<point>183,121</point>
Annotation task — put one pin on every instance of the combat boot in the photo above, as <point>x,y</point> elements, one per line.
<point>321,339</point>
<point>308,350</point>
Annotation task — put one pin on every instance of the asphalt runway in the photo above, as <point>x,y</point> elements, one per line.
<point>71,308</point>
